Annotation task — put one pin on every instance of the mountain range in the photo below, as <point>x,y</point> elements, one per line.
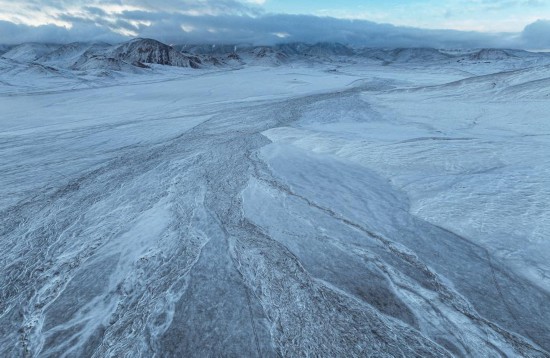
<point>143,53</point>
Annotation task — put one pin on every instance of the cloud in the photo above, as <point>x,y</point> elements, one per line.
<point>17,33</point>
<point>266,30</point>
<point>32,11</point>
<point>535,35</point>
<point>235,22</point>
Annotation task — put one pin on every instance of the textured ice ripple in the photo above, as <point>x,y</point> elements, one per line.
<point>154,253</point>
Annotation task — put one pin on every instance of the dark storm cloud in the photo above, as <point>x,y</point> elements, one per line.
<point>536,35</point>
<point>166,6</point>
<point>229,21</point>
<point>11,33</point>
<point>268,29</point>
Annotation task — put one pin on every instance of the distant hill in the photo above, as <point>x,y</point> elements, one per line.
<point>67,55</point>
<point>148,51</point>
<point>29,52</point>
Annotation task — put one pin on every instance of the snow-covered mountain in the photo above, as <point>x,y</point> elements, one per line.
<point>68,55</point>
<point>103,63</point>
<point>326,49</point>
<point>29,52</point>
<point>319,50</point>
<point>492,55</point>
<point>275,55</point>
<point>210,49</point>
<point>404,55</point>
<point>125,57</point>
<point>16,77</point>
<point>11,67</point>
<point>148,51</point>
<point>267,56</point>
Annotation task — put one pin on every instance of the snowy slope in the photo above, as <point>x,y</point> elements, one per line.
<point>29,52</point>
<point>67,55</point>
<point>265,56</point>
<point>4,49</point>
<point>102,63</point>
<point>17,77</point>
<point>418,138</point>
<point>407,55</point>
<point>509,84</point>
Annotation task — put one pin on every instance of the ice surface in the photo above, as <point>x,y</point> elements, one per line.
<point>393,203</point>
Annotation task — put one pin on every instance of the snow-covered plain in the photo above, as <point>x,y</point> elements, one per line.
<point>345,207</point>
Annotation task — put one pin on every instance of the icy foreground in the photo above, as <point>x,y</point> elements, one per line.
<point>340,208</point>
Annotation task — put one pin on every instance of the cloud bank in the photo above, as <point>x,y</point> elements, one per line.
<point>229,21</point>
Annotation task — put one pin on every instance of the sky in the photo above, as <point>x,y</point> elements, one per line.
<point>375,23</point>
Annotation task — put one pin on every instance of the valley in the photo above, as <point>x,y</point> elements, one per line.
<point>291,200</point>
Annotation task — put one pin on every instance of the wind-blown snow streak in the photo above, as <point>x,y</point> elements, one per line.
<point>234,225</point>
